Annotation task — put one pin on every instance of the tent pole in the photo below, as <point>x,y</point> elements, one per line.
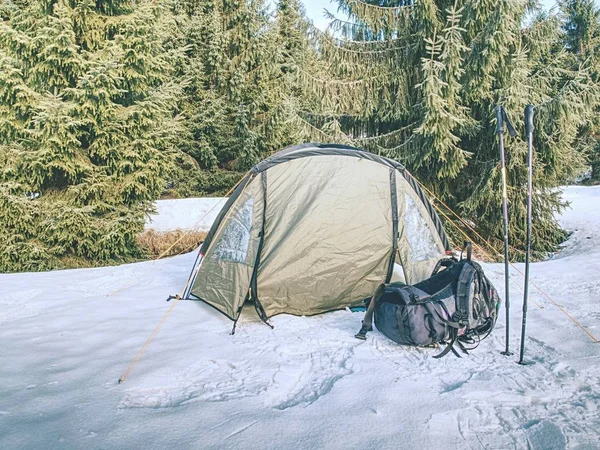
<point>193,273</point>
<point>500,115</point>
<point>529,131</point>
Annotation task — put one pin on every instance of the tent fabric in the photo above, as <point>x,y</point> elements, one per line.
<point>228,264</point>
<point>315,228</point>
<point>324,244</point>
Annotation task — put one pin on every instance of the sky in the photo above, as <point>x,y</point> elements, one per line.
<point>314,10</point>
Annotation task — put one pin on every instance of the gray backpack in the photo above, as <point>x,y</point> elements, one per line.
<point>456,306</point>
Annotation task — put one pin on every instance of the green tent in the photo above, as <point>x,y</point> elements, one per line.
<point>315,228</point>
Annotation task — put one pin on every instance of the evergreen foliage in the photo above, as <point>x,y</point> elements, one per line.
<point>105,105</point>
<point>581,25</point>
<point>241,102</point>
<point>421,80</point>
<point>87,128</point>
<point>582,29</point>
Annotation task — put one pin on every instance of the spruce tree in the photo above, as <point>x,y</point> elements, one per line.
<point>582,31</point>
<point>581,24</point>
<point>226,63</point>
<point>242,101</point>
<point>418,82</point>
<point>86,128</point>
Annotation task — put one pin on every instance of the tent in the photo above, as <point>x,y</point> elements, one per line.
<point>315,228</point>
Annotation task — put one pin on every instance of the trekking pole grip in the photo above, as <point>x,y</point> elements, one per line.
<point>529,119</point>
<point>499,120</point>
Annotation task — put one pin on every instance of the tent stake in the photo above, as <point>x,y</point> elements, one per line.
<point>529,131</point>
<point>500,118</point>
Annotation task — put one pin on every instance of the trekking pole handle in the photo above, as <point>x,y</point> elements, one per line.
<point>499,120</point>
<point>509,125</point>
<point>529,119</point>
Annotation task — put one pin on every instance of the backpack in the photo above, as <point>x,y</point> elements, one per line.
<point>455,306</point>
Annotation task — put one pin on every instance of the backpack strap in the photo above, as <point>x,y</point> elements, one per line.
<point>463,294</point>
<point>468,246</point>
<point>445,263</point>
<point>460,318</point>
<point>367,323</point>
<point>429,319</point>
<point>450,345</point>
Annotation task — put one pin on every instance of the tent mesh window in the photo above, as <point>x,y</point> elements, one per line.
<point>419,235</point>
<point>308,271</point>
<point>233,245</point>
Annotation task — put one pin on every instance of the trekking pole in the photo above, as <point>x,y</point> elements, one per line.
<point>500,118</point>
<point>529,131</point>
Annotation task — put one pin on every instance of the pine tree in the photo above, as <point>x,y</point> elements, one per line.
<point>242,101</point>
<point>418,82</point>
<point>582,28</point>
<point>87,129</point>
<point>581,25</point>
<point>298,57</point>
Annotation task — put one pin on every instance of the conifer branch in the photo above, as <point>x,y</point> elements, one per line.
<point>387,135</point>
<point>362,4</point>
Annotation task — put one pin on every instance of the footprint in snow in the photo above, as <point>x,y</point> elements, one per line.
<point>297,372</point>
<point>308,376</point>
<point>546,436</point>
<point>211,380</point>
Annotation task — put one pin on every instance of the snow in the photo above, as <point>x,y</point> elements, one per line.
<point>186,214</point>
<point>68,335</point>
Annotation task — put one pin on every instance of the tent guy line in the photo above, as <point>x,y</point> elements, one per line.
<point>235,244</point>
<point>239,260</point>
<point>512,265</point>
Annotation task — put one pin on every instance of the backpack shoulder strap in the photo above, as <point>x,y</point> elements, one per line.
<point>446,263</point>
<point>463,293</point>
<point>468,247</point>
<point>450,345</point>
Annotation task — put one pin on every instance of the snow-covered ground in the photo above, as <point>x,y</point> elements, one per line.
<point>66,337</point>
<point>186,214</point>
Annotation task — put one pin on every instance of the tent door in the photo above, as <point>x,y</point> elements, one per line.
<point>227,270</point>
<point>253,285</point>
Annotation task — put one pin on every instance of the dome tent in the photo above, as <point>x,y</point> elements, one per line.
<point>315,228</point>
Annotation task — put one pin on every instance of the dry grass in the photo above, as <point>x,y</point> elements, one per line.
<point>182,241</point>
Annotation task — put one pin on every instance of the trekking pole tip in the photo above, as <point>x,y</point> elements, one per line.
<point>525,363</point>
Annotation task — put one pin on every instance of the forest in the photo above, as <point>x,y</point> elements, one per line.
<point>108,105</point>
